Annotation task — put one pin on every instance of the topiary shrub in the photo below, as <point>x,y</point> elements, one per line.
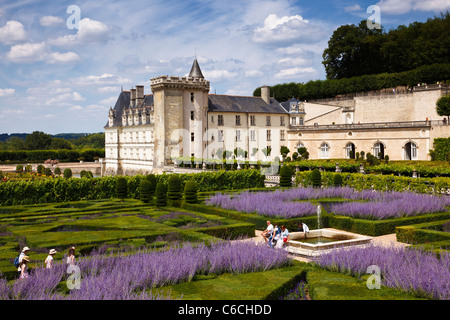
<point>83,174</point>
<point>190,192</point>
<point>161,194</point>
<point>145,191</point>
<point>174,187</point>
<point>67,173</point>
<point>337,180</point>
<point>121,188</point>
<point>40,169</point>
<point>48,172</point>
<point>57,171</point>
<point>316,178</point>
<point>285,176</point>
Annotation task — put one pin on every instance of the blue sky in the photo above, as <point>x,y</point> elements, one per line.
<point>59,80</point>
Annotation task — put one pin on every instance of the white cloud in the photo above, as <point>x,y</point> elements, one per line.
<point>105,79</point>
<point>215,75</point>
<point>253,73</point>
<point>294,72</point>
<point>109,101</point>
<point>108,89</point>
<point>355,7</point>
<point>7,92</point>
<point>90,31</point>
<point>293,61</point>
<point>50,21</point>
<point>76,108</point>
<point>286,30</point>
<point>35,52</point>
<point>64,99</point>
<point>394,7</point>
<point>12,32</point>
<point>28,52</point>
<point>68,57</point>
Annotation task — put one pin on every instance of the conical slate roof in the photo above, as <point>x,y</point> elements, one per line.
<point>195,70</point>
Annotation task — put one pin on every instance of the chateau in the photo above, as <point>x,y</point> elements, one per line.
<point>180,118</point>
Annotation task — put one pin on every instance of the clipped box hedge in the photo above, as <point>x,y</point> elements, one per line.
<point>423,233</point>
<point>359,181</point>
<point>64,190</point>
<point>380,227</point>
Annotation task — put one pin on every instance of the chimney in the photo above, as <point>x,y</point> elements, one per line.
<point>265,94</point>
<point>133,97</point>
<point>139,95</point>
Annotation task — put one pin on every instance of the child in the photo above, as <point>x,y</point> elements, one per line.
<point>23,267</point>
<point>49,260</point>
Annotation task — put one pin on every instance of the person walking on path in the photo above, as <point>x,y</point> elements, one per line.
<point>49,260</point>
<point>23,267</point>
<point>24,253</point>
<point>71,256</point>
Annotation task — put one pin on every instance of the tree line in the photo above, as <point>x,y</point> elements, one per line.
<point>42,141</point>
<point>358,59</point>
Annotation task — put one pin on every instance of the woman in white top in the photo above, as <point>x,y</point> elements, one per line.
<point>23,267</point>
<point>49,260</point>
<point>71,256</point>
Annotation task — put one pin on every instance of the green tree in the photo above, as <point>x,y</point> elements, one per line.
<point>174,187</point>
<point>161,194</point>
<point>190,192</point>
<point>38,141</point>
<point>285,176</point>
<point>121,188</point>
<point>284,151</point>
<point>316,178</point>
<point>145,191</point>
<point>59,143</point>
<point>67,173</point>
<point>443,107</point>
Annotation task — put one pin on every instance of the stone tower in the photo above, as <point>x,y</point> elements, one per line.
<point>180,115</point>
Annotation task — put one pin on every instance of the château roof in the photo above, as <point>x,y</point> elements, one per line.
<point>239,104</point>
<point>195,70</point>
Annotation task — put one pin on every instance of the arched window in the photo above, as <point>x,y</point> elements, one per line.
<point>324,151</point>
<point>410,151</point>
<point>300,145</point>
<point>378,150</point>
<point>350,151</point>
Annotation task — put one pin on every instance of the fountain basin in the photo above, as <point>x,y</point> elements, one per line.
<point>321,241</point>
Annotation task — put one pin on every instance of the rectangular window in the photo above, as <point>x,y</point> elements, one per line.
<point>220,135</point>
<point>220,120</point>
<point>192,97</point>
<point>282,135</point>
<point>212,119</point>
<point>238,135</point>
<point>238,120</point>
<point>268,121</point>
<point>252,135</point>
<point>300,121</point>
<point>269,135</point>
<point>282,123</point>
<point>192,115</point>
<point>293,121</point>
<point>192,136</point>
<point>253,120</point>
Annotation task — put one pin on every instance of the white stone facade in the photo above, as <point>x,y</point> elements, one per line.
<point>145,133</point>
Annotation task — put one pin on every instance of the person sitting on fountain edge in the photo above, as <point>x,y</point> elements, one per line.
<point>302,227</point>
<point>268,233</point>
